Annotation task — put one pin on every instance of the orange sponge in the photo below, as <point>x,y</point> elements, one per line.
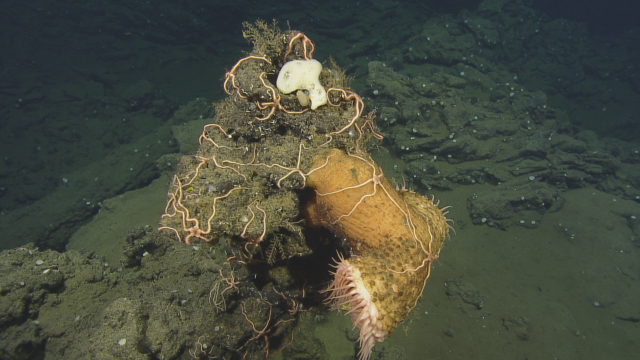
<point>394,234</point>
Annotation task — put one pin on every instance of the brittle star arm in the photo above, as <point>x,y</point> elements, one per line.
<point>230,76</point>
<point>305,40</point>
<point>213,206</point>
<point>206,137</point>
<point>253,216</point>
<point>358,105</point>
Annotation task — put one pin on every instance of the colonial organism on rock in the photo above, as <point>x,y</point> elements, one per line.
<point>266,145</point>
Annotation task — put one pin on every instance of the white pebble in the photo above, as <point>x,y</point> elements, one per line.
<point>122,342</point>
<point>39,262</point>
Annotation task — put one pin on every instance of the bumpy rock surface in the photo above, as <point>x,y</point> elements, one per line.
<point>246,178</point>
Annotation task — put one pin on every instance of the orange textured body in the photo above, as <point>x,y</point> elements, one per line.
<point>394,236</point>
